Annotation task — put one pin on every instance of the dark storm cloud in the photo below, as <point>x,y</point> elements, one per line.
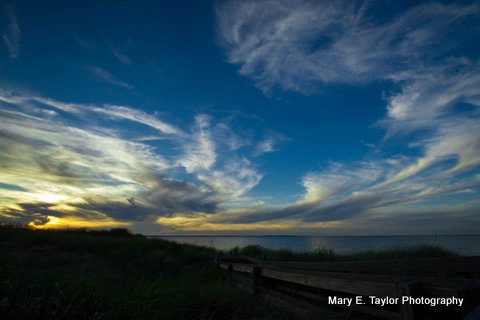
<point>173,196</point>
<point>165,198</point>
<point>38,212</point>
<point>315,211</point>
<point>87,173</point>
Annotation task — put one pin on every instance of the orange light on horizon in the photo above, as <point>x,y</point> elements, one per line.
<point>202,223</point>
<point>75,223</point>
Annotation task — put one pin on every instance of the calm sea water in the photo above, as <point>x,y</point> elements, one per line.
<point>464,244</point>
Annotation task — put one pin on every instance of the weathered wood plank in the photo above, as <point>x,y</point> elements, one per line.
<point>243,267</point>
<point>382,313</point>
<point>287,288</point>
<point>433,287</point>
<point>237,259</point>
<point>304,308</point>
<point>351,280</point>
<point>290,305</point>
<point>307,309</point>
<point>451,264</point>
<point>352,286</point>
<point>223,265</point>
<point>431,281</point>
<point>239,267</point>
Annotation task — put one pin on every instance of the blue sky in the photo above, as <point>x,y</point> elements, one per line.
<point>241,117</point>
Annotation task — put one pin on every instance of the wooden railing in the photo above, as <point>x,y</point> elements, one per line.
<point>303,287</point>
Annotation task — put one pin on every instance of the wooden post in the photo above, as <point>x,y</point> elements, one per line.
<point>409,289</point>
<point>470,296</point>
<point>230,272</point>
<point>257,274</point>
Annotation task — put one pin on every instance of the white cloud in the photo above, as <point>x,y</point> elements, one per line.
<point>113,173</point>
<point>110,78</point>
<point>303,45</point>
<point>121,56</point>
<point>199,150</point>
<point>428,93</point>
<point>112,111</point>
<point>428,102</point>
<point>233,180</point>
<point>299,45</point>
<point>265,146</point>
<point>63,151</point>
<point>123,112</point>
<point>11,37</point>
<point>269,143</point>
<point>210,153</point>
<point>339,180</point>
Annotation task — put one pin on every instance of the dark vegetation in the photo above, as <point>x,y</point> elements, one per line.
<point>78,274</point>
<point>113,274</point>
<point>420,251</point>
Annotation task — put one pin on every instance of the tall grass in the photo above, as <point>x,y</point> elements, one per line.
<point>113,274</point>
<point>324,254</point>
<point>46,274</point>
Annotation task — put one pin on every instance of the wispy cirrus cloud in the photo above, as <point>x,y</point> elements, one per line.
<point>210,152</point>
<point>434,104</point>
<point>120,55</point>
<point>79,163</point>
<point>11,36</point>
<point>232,179</point>
<point>199,150</point>
<point>62,165</point>
<point>80,41</point>
<point>109,77</point>
<point>300,45</point>
<point>85,111</point>
<point>82,173</point>
<point>269,143</point>
<point>358,193</point>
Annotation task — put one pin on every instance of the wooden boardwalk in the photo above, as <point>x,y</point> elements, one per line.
<point>304,287</point>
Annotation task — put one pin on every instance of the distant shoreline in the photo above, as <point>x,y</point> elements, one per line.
<point>287,235</point>
<point>463,244</point>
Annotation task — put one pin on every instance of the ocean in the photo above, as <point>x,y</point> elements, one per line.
<point>463,244</point>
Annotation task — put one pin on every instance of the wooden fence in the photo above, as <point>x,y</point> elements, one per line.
<point>304,287</point>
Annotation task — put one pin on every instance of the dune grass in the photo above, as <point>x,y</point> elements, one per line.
<point>112,274</point>
<point>324,254</point>
<point>46,274</point>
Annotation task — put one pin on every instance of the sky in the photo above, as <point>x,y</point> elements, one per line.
<point>241,117</point>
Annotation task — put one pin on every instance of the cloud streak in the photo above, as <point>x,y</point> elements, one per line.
<point>120,55</point>
<point>70,163</point>
<point>299,45</point>
<point>106,76</point>
<point>304,46</point>
<point>61,163</point>
<point>11,37</point>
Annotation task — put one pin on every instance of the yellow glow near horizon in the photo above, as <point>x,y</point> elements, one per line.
<point>73,223</point>
<point>202,223</point>
<point>52,221</point>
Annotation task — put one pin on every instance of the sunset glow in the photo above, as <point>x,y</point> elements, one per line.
<point>246,117</point>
